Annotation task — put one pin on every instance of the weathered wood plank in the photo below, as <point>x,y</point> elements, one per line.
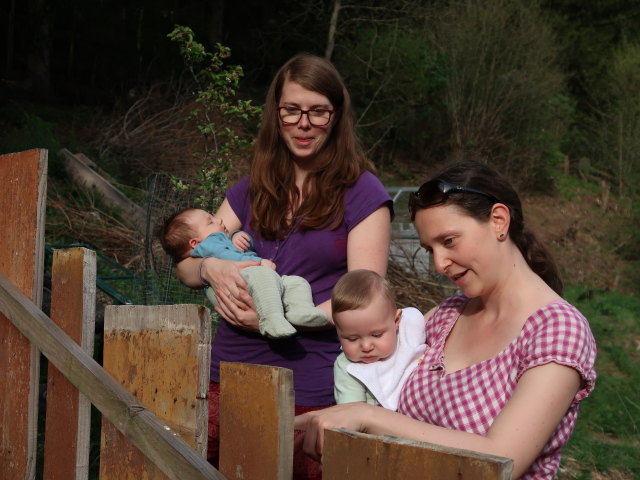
<point>139,425</point>
<point>22,207</point>
<point>68,420</point>
<point>358,456</point>
<point>156,353</point>
<point>256,422</point>
<point>88,178</point>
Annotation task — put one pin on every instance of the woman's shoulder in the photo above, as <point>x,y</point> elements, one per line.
<point>364,197</point>
<point>560,333</point>
<point>561,318</point>
<point>238,198</point>
<point>367,181</point>
<point>241,185</point>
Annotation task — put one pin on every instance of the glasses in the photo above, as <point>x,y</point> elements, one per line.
<point>318,117</point>
<point>436,192</point>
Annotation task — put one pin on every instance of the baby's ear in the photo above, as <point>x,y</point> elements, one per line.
<point>398,316</point>
<point>193,242</point>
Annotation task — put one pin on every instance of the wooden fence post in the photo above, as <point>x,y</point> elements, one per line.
<point>358,456</point>
<point>161,354</point>
<point>256,422</point>
<point>152,436</point>
<point>22,212</point>
<point>68,420</point>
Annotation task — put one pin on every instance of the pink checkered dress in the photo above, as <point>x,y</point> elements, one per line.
<point>470,399</point>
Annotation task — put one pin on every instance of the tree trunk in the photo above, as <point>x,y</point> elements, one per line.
<point>332,29</point>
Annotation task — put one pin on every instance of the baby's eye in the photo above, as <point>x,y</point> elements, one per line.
<point>376,335</point>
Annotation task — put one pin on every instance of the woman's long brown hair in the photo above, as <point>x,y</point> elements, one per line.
<point>338,165</point>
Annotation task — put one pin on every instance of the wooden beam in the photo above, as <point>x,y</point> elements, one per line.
<point>88,178</point>
<point>23,179</point>
<point>68,419</point>
<point>153,437</point>
<point>358,456</point>
<point>256,422</point>
<point>161,354</point>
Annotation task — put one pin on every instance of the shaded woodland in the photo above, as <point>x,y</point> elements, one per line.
<point>547,91</point>
<point>519,83</point>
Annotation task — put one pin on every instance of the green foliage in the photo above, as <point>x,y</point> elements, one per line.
<point>451,80</point>
<point>32,132</point>
<point>396,82</point>
<point>504,94</point>
<point>571,186</point>
<point>615,139</point>
<point>605,439</point>
<point>220,116</point>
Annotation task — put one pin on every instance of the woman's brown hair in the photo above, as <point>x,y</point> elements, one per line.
<point>272,188</point>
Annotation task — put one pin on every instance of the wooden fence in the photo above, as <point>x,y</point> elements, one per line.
<point>151,388</point>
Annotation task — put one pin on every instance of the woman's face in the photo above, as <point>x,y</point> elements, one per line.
<point>461,247</point>
<point>303,140</point>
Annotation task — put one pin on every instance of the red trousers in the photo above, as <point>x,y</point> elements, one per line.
<point>304,468</point>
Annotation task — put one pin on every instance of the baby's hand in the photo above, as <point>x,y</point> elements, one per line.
<point>241,241</point>
<point>268,263</point>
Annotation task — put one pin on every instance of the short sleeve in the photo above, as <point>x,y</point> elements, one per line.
<point>347,388</point>
<point>238,198</point>
<point>365,197</point>
<point>559,333</point>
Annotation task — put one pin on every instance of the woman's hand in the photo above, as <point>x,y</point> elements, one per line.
<point>235,304</point>
<point>347,415</point>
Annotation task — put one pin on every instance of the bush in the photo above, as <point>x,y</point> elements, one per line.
<point>504,92</point>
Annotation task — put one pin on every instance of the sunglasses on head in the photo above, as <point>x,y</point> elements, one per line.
<point>436,192</point>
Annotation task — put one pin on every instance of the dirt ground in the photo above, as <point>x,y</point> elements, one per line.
<point>586,236</point>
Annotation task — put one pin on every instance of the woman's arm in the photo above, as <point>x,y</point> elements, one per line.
<point>520,431</point>
<point>368,246</point>
<point>368,242</point>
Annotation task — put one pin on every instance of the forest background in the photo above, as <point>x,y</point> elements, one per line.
<point>546,91</point>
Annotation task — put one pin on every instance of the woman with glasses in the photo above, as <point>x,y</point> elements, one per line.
<point>507,359</point>
<point>314,207</point>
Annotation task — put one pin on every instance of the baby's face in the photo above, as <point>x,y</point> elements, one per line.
<point>369,334</point>
<point>205,224</point>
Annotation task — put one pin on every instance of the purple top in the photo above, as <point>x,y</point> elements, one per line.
<point>470,399</point>
<point>320,256</point>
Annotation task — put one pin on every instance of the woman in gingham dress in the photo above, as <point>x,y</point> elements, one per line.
<point>507,360</point>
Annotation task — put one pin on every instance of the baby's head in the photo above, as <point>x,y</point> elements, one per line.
<point>365,315</point>
<point>184,230</point>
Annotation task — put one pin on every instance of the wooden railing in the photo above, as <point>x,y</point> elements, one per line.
<point>152,389</point>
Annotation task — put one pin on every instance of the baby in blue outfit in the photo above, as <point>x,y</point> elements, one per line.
<point>281,302</point>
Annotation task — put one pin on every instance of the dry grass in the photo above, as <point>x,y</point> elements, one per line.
<point>158,133</point>
<point>154,134</point>
<point>83,220</point>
